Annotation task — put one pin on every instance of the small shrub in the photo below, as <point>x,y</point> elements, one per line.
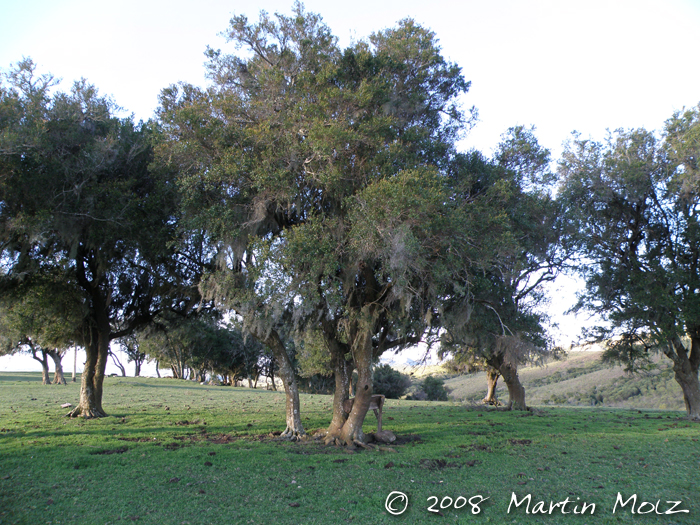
<point>389,382</point>
<point>434,389</point>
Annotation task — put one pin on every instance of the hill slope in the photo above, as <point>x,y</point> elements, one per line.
<point>582,380</point>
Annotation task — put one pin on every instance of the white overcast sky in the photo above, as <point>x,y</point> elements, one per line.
<point>557,64</point>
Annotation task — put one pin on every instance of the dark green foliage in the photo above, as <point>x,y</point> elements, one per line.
<point>389,382</point>
<point>434,389</point>
<point>316,384</point>
<point>633,201</point>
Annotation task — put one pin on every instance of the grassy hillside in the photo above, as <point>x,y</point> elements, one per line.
<point>175,452</point>
<point>582,380</point>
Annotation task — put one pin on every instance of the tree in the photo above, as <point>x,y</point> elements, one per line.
<point>78,198</point>
<point>41,314</point>
<point>324,175</point>
<point>434,389</point>
<point>130,346</point>
<point>470,363</point>
<point>506,327</point>
<point>389,382</point>
<point>634,199</point>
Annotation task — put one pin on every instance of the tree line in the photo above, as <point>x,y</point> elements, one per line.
<point>315,199</point>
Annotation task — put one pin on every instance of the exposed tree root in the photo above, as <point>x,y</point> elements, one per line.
<point>363,445</point>
<point>90,413</point>
<point>293,435</point>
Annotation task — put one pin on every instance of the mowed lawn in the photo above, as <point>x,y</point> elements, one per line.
<point>176,452</point>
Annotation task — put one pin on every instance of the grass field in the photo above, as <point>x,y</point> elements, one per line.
<point>174,452</point>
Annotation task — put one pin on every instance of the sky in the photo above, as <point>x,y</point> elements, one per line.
<point>559,65</point>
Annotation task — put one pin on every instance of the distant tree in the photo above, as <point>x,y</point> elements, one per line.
<point>41,315</point>
<point>635,199</point>
<point>507,326</point>
<point>389,382</point>
<point>468,363</point>
<point>434,389</point>
<point>130,346</point>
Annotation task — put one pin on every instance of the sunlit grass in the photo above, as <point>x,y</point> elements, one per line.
<point>175,452</point>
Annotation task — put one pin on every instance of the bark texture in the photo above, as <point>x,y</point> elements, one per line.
<point>342,372</point>
<point>516,391</point>
<point>685,369</point>
<point>58,377</point>
<point>509,372</point>
<point>295,429</point>
<point>45,380</point>
<point>97,353</point>
<point>492,375</point>
<point>346,429</point>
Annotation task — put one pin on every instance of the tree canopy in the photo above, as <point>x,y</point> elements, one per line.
<point>634,201</point>
<point>330,181</point>
<point>79,200</point>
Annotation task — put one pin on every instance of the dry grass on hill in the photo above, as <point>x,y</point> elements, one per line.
<point>582,380</point>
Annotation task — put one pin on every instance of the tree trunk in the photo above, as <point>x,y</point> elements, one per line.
<point>157,368</point>
<point>75,362</point>
<point>58,378</point>
<point>295,429</point>
<point>118,363</point>
<point>352,429</point>
<point>97,353</point>
<point>137,367</point>
<point>492,381</point>
<point>272,377</point>
<point>45,380</point>
<point>516,391</point>
<point>685,369</point>
<point>342,371</point>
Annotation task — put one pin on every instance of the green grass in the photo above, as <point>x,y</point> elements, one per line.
<point>174,452</point>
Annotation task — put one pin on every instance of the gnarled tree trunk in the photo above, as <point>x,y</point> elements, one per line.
<point>492,375</point>
<point>516,391</point>
<point>509,372</point>
<point>45,380</point>
<point>342,372</point>
<point>294,429</point>
<point>97,353</point>
<point>352,429</point>
<point>347,429</point>
<point>685,369</point>
<point>58,378</point>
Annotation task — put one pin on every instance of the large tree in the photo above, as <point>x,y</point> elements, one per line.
<point>507,326</point>
<point>77,197</point>
<point>326,177</point>
<point>635,200</point>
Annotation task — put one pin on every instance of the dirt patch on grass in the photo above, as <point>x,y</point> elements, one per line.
<point>185,423</point>
<point>478,448</point>
<point>520,441</point>
<point>414,439</point>
<point>221,439</point>
<point>437,464</point>
<point>119,450</point>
